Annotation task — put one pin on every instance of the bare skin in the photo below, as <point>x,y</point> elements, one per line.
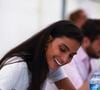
<point>65,84</point>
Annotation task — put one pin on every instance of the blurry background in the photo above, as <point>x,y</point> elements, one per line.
<point>20,19</point>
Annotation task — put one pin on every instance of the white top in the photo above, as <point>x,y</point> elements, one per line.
<point>49,85</point>
<point>53,76</point>
<point>14,76</point>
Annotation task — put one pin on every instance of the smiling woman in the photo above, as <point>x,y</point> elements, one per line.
<point>60,51</point>
<point>49,49</point>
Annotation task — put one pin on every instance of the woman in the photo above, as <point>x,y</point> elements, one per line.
<point>48,50</point>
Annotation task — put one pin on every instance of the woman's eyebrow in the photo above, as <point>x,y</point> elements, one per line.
<point>66,46</point>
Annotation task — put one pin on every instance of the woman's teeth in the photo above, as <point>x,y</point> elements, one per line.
<point>57,62</point>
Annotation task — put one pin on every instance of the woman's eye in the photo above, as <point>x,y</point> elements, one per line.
<point>62,49</point>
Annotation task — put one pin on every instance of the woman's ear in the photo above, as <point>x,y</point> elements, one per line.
<point>86,42</point>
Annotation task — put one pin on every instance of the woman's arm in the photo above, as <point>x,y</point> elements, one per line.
<point>65,84</point>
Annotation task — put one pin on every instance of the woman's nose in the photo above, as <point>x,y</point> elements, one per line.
<point>65,59</point>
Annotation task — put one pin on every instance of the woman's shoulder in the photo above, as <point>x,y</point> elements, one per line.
<point>15,61</point>
<point>14,58</point>
<point>14,74</point>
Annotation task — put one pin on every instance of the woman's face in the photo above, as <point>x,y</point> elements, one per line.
<point>60,51</point>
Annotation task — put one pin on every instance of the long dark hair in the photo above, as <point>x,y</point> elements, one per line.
<point>33,53</point>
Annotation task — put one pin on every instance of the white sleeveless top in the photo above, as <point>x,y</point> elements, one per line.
<point>53,76</point>
<point>14,76</point>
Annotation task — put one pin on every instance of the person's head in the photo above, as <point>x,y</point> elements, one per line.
<point>62,44</point>
<point>52,47</point>
<point>78,17</point>
<point>91,40</point>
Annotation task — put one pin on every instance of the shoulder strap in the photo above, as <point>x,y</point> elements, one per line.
<point>11,60</point>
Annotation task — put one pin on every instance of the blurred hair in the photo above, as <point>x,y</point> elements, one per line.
<point>75,15</point>
<point>91,29</point>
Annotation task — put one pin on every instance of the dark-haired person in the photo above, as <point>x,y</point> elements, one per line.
<point>40,56</point>
<point>78,17</point>
<point>79,71</point>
